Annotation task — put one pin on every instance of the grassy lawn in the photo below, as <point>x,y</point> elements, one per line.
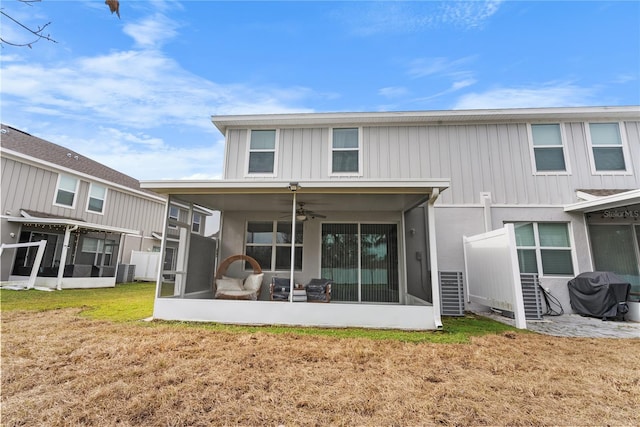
<point>125,302</point>
<point>105,367</point>
<point>134,301</point>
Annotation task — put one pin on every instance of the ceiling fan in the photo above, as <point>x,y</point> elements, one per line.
<point>303,214</point>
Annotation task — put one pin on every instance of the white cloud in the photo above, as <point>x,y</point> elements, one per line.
<point>545,95</point>
<point>468,14</point>
<point>138,89</point>
<point>409,16</point>
<point>153,31</point>
<point>423,67</point>
<point>142,156</point>
<point>137,111</point>
<point>392,91</point>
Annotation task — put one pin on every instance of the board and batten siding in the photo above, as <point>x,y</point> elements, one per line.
<point>494,158</point>
<point>26,186</point>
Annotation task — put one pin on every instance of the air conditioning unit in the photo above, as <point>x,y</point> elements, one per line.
<point>125,273</point>
<point>451,293</point>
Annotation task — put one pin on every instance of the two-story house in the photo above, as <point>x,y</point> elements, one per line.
<point>92,217</point>
<point>379,204</point>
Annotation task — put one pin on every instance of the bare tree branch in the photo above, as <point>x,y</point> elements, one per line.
<point>114,6</point>
<point>38,33</point>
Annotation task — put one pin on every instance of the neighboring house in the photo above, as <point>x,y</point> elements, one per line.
<point>91,216</point>
<point>382,202</point>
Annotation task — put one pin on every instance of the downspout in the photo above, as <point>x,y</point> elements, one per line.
<point>433,254</point>
<point>63,255</point>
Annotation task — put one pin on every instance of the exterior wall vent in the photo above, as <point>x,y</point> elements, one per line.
<point>451,293</point>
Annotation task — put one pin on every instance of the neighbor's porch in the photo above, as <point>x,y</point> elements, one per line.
<point>375,242</point>
<point>77,254</point>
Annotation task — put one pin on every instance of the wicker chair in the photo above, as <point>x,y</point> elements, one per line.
<point>238,289</point>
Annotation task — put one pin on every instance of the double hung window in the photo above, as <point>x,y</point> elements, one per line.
<point>262,152</point>
<point>544,248</point>
<point>197,221</point>
<point>345,151</point>
<point>269,243</point>
<point>66,191</point>
<point>96,248</point>
<point>548,150</point>
<point>607,147</point>
<point>97,195</point>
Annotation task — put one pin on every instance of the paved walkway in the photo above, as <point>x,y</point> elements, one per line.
<point>574,325</point>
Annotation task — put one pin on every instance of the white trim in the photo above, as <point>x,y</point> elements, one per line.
<point>502,206</point>
<point>563,142</point>
<point>518,115</point>
<point>622,131</point>
<point>310,187</point>
<point>338,315</point>
<point>75,192</point>
<point>585,196</point>
<point>627,198</point>
<point>54,168</point>
<point>248,151</point>
<point>72,223</point>
<point>330,172</point>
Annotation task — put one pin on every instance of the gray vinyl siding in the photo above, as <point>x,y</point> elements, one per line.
<point>28,187</point>
<point>494,158</point>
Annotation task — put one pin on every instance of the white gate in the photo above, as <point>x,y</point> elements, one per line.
<point>492,272</point>
<point>147,265</point>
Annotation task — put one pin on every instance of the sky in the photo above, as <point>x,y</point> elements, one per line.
<point>137,93</point>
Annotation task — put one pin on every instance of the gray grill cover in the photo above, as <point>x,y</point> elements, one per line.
<point>599,294</point>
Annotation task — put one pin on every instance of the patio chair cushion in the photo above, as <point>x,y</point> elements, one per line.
<point>318,290</point>
<point>237,294</point>
<point>253,282</point>
<point>229,284</point>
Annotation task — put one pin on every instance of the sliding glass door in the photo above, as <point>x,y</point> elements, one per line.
<point>362,261</point>
<point>616,249</point>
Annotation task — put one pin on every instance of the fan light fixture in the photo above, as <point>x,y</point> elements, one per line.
<point>301,217</point>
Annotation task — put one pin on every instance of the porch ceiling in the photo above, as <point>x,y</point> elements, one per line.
<point>317,196</point>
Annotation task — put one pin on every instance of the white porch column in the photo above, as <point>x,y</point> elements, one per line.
<point>293,242</point>
<point>63,254</point>
<point>433,253</point>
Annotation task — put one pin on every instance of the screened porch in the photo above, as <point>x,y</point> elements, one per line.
<point>355,237</point>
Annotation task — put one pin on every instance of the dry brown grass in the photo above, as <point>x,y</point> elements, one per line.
<point>59,369</point>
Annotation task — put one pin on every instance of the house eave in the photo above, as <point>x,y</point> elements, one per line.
<point>631,197</point>
<point>425,117</point>
<point>308,187</point>
<point>62,222</point>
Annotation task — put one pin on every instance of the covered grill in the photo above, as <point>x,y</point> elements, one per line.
<point>599,294</point>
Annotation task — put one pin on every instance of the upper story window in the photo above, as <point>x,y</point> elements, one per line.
<point>269,243</point>
<point>345,151</point>
<point>97,195</point>
<point>544,248</point>
<point>174,212</point>
<point>196,223</point>
<point>548,148</point>
<point>262,152</point>
<point>66,191</point>
<point>607,147</point>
